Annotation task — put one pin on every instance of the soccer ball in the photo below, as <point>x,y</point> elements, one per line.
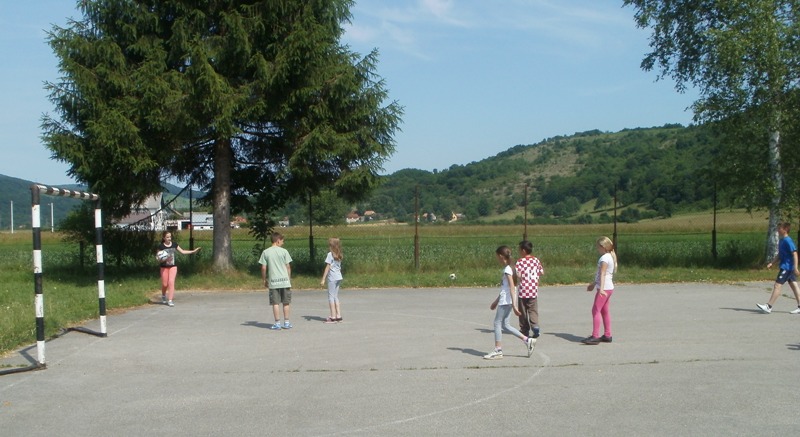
<point>452,276</point>
<point>162,255</point>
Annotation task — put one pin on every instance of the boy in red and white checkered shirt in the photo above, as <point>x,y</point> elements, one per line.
<point>529,269</point>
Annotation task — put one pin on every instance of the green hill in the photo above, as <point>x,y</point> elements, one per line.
<point>18,192</point>
<point>660,170</point>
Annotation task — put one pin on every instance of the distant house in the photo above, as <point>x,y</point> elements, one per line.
<point>149,216</point>
<point>369,215</point>
<point>352,217</point>
<point>456,217</point>
<point>284,222</point>
<point>199,221</point>
<point>202,221</point>
<point>238,221</point>
<point>429,216</point>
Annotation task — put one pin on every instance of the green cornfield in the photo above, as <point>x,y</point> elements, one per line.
<point>376,256</point>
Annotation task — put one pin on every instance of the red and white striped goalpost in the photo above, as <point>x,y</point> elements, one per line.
<point>36,191</point>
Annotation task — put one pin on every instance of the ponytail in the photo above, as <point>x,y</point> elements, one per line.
<point>608,245</point>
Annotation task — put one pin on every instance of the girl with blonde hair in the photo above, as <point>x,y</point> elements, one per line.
<point>604,285</point>
<point>333,274</point>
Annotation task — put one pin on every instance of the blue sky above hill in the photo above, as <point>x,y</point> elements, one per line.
<point>475,77</point>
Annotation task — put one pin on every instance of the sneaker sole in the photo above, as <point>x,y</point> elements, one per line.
<point>533,346</point>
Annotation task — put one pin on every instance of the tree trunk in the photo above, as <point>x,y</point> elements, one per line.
<point>777,186</point>
<point>222,258</point>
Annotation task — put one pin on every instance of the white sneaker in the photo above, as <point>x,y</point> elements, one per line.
<point>764,308</point>
<point>795,311</point>
<point>170,304</point>
<point>531,343</point>
<point>164,300</point>
<point>494,355</point>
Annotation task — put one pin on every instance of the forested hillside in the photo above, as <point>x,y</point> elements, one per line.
<point>18,192</point>
<point>652,171</point>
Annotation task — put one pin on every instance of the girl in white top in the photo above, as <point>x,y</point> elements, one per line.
<point>604,284</point>
<point>505,302</point>
<point>333,273</point>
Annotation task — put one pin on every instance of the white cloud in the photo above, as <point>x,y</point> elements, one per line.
<point>418,28</point>
<point>443,11</point>
<point>439,8</point>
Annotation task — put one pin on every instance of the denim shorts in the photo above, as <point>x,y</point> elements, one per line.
<point>785,275</point>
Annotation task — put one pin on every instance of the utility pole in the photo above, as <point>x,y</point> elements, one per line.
<point>311,229</point>
<point>191,220</point>
<point>416,228</point>
<point>525,232</point>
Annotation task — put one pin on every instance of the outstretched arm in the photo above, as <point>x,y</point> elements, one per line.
<point>187,252</point>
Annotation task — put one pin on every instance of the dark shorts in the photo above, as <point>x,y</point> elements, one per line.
<point>785,275</point>
<point>280,295</point>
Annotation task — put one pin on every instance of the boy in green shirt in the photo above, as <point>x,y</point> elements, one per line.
<point>276,272</point>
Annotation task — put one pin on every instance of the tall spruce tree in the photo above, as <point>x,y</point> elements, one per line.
<point>744,58</point>
<point>249,99</point>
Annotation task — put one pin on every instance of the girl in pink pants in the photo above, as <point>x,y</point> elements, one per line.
<point>604,285</point>
<point>169,271</point>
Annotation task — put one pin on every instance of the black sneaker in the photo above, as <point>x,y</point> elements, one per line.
<point>591,340</point>
<point>605,339</point>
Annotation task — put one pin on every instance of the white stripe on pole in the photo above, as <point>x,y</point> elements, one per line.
<point>37,261</point>
<point>101,289</point>
<point>39,304</point>
<point>37,221</point>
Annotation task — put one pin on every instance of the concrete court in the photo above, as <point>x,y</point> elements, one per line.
<point>687,360</point>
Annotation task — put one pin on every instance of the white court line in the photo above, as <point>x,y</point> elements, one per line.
<point>530,379</point>
<point>453,408</point>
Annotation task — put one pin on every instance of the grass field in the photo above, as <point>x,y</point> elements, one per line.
<point>380,256</point>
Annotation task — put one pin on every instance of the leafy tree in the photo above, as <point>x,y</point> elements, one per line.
<point>630,215</point>
<point>239,97</point>
<point>483,207</point>
<point>662,207</point>
<point>743,57</point>
<point>603,199</point>
<point>328,209</point>
<point>119,245</point>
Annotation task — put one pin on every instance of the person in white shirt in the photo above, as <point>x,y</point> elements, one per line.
<point>604,285</point>
<point>333,274</point>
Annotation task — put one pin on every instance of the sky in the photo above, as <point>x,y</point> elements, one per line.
<point>475,77</point>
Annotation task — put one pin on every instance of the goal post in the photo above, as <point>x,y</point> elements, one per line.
<point>36,191</point>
